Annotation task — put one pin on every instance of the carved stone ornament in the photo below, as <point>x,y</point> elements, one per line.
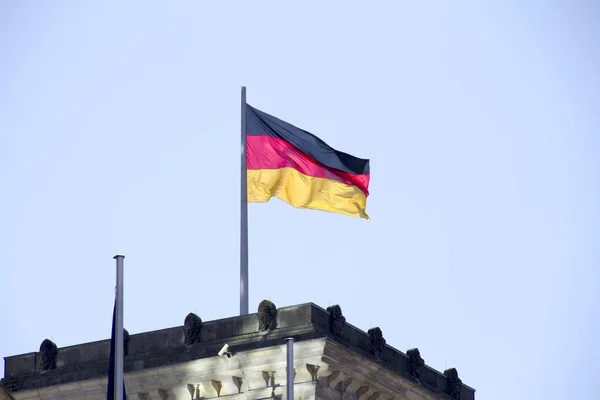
<point>125,342</point>
<point>49,353</point>
<point>267,316</point>
<point>191,329</point>
<point>453,383</point>
<point>415,363</point>
<point>377,341</point>
<point>336,320</point>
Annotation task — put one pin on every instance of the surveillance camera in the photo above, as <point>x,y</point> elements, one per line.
<point>224,351</point>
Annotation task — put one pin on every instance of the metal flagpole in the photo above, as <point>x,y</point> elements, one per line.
<point>290,368</point>
<point>243,216</point>
<point>118,386</point>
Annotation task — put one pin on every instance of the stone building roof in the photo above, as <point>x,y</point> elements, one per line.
<point>325,332</point>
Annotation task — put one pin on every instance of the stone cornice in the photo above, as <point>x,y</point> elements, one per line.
<point>161,356</point>
<point>4,393</point>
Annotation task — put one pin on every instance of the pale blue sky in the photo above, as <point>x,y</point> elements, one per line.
<point>119,132</point>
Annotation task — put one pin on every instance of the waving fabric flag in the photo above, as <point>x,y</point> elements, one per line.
<point>110,390</point>
<point>299,168</point>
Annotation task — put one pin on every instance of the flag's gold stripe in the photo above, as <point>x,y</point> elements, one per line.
<point>304,191</point>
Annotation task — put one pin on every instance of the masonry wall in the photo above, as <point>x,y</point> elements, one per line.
<point>168,348</point>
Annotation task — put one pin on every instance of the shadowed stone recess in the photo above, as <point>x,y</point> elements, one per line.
<point>267,316</point>
<point>49,351</point>
<point>336,320</point>
<point>191,329</point>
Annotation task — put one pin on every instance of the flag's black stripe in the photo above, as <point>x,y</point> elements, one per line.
<point>110,389</point>
<point>259,123</point>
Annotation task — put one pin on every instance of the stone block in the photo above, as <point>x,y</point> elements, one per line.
<point>410,395</point>
<point>20,365</point>
<point>73,356</point>
<point>294,316</point>
<point>159,340</point>
<point>320,318</point>
<point>136,345</point>
<point>9,366</point>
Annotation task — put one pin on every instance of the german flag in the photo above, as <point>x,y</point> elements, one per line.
<point>299,168</point>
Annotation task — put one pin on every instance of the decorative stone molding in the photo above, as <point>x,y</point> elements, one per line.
<point>192,389</point>
<point>4,394</point>
<point>191,329</point>
<point>415,363</point>
<point>157,394</point>
<point>49,353</point>
<point>217,385</point>
<point>377,342</point>
<point>160,367</point>
<point>313,370</point>
<point>357,387</point>
<point>336,320</point>
<point>343,373</point>
<point>335,379</point>
<point>269,377</point>
<point>346,385</point>
<point>237,381</point>
<point>453,383</point>
<point>267,316</point>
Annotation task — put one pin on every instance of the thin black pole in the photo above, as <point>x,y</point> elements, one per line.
<point>243,216</point>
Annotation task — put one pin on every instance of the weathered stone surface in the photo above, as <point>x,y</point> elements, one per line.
<point>267,316</point>
<point>4,393</point>
<point>415,363</point>
<point>336,320</point>
<point>48,351</point>
<point>324,364</point>
<point>453,383</point>
<point>191,329</point>
<point>377,341</point>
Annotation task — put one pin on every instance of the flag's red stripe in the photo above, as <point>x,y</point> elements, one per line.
<point>267,152</point>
